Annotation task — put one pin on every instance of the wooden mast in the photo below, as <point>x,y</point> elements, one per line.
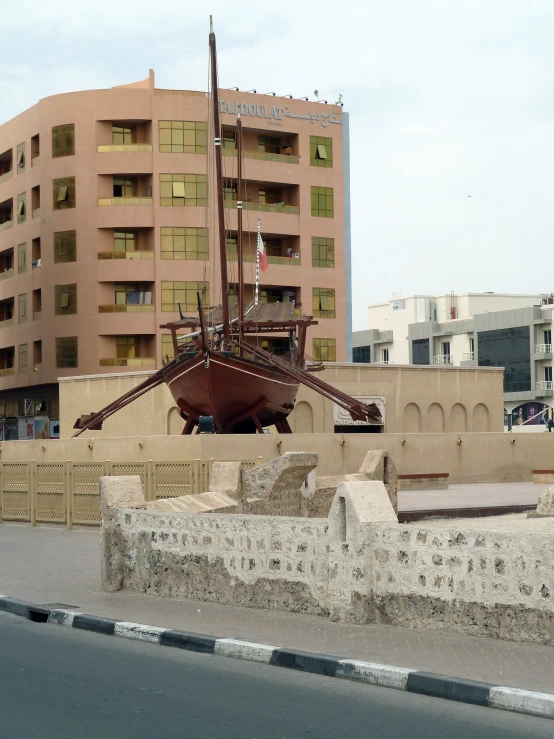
<point>219,188</point>
<point>239,223</point>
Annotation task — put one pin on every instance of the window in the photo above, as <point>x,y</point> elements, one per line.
<point>22,207</point>
<point>323,252</point>
<point>123,188</point>
<point>184,243</point>
<point>122,291</point>
<point>63,140</point>
<point>124,241</point>
<point>269,145</point>
<point>22,258</point>
<point>65,299</point>
<point>420,351</point>
<point>191,189</point>
<point>321,151</point>
<point>65,246</point>
<point>508,348</point>
<point>325,350</point>
<point>472,346</point>
<point>187,137</point>
<point>323,302</point>
<point>23,367</point>
<point>228,139</point>
<point>22,307</point>
<point>64,193</point>
<point>322,202</point>
<point>445,347</point>
<point>66,352</point>
<point>385,356</point>
<point>168,351</point>
<point>127,347</point>
<point>230,193</point>
<point>20,158</point>
<point>184,294</point>
<point>361,354</point>
<point>548,374</point>
<point>547,336</point>
<point>123,135</point>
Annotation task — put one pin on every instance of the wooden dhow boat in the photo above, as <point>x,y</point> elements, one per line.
<point>221,380</point>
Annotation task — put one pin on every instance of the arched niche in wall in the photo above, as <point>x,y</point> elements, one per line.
<point>435,419</point>
<point>458,418</point>
<point>303,416</point>
<point>175,423</point>
<point>480,417</point>
<point>412,419</point>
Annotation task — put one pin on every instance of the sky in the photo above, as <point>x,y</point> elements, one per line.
<point>451,108</point>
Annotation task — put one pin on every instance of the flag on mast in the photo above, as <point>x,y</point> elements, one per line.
<point>262,255</point>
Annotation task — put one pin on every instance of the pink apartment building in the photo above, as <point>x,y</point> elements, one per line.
<point>105,229</point>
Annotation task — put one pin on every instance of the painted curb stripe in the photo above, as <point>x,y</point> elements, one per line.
<point>320,664</point>
<point>184,640</point>
<point>386,676</point>
<point>94,623</point>
<point>454,689</point>
<point>522,701</point>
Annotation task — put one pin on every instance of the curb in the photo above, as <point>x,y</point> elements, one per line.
<point>385,676</point>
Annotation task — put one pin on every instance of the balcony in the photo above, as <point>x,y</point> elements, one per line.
<point>5,177</point>
<point>263,155</point>
<point>266,207</point>
<point>126,254</point>
<point>7,323</point>
<point>5,225</point>
<point>468,357</point>
<point>284,261</point>
<point>103,149</point>
<point>542,351</point>
<point>543,388</point>
<point>8,272</point>
<point>447,359</point>
<point>125,201</point>
<point>134,362</point>
<point>7,372</point>
<point>126,308</point>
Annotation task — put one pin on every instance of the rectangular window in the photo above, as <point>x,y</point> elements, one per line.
<point>420,351</point>
<point>22,258</point>
<point>472,346</point>
<point>323,302</point>
<point>385,356</point>
<point>124,241</point>
<point>548,374</point>
<point>168,352</point>
<point>20,158</point>
<point>23,366</point>
<point>547,337</point>
<point>127,347</point>
<point>22,307</point>
<point>183,294</point>
<point>325,350</point>
<point>322,202</point>
<point>361,354</point>
<point>192,189</point>
<point>63,140</point>
<point>64,193</point>
<point>67,352</point>
<point>65,299</point>
<point>508,348</point>
<point>123,135</point>
<point>124,188</point>
<point>183,137</point>
<point>228,139</point>
<point>323,252</point>
<point>65,246</point>
<point>22,207</point>
<point>123,290</point>
<point>321,151</point>
<point>184,243</point>
<point>269,145</point>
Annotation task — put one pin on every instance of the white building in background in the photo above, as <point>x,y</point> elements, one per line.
<point>483,329</point>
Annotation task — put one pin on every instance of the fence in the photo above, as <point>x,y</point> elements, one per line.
<point>68,492</point>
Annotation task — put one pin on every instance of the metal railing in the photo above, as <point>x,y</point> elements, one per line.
<point>140,308</point>
<point>123,148</point>
<point>125,201</point>
<point>544,385</point>
<point>468,356</point>
<point>287,261</point>
<point>543,348</point>
<point>68,492</point>
<point>267,207</point>
<point>129,362</point>
<point>138,254</point>
<point>263,155</point>
<point>443,359</point>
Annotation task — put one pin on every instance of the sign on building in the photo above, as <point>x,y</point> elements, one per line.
<point>342,417</point>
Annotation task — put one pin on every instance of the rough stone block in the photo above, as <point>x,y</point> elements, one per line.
<point>378,465</point>
<point>123,491</point>
<point>226,477</point>
<point>357,503</point>
<point>210,502</point>
<point>545,506</point>
<point>279,482</point>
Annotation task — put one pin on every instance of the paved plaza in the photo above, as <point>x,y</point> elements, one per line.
<point>47,565</point>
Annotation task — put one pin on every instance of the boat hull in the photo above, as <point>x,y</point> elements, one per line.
<point>233,390</point>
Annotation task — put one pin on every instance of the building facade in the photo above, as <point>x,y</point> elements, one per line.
<point>105,228</point>
<point>484,330</point>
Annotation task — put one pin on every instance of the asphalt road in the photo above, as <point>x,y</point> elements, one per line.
<point>58,683</point>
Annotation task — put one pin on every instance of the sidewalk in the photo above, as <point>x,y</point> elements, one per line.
<point>49,565</point>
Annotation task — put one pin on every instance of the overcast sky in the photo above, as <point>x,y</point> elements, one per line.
<point>451,104</point>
